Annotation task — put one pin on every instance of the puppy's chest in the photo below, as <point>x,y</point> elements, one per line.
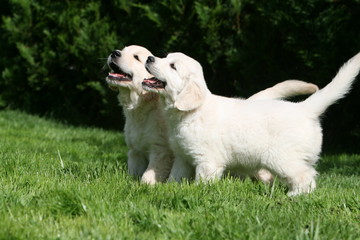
<point>139,140</point>
<point>142,135</point>
<point>183,135</point>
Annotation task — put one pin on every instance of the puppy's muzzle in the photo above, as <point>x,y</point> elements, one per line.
<point>117,77</point>
<point>150,59</point>
<point>112,61</point>
<point>115,54</point>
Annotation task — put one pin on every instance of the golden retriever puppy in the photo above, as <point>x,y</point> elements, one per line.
<point>215,133</point>
<point>149,155</point>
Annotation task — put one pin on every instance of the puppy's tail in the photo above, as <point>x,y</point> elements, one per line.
<point>285,89</point>
<point>336,89</point>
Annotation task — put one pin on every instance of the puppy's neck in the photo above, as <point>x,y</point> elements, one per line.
<point>149,97</point>
<point>172,113</point>
<point>131,100</point>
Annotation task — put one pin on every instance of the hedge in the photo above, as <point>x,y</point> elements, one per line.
<point>53,54</point>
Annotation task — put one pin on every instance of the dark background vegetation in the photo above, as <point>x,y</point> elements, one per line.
<point>52,53</point>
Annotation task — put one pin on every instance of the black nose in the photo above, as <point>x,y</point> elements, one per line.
<point>115,54</point>
<point>150,59</point>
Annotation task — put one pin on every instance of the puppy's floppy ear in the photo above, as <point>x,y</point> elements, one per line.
<point>191,97</point>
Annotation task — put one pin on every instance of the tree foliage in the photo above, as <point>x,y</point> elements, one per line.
<point>53,53</point>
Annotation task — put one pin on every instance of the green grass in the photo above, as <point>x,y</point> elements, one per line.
<point>63,182</point>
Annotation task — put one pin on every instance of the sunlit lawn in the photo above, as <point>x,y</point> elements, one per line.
<point>63,182</point>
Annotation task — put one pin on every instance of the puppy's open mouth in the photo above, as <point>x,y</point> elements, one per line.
<point>154,83</point>
<point>117,76</point>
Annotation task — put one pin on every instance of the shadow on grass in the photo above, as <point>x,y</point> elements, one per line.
<point>343,164</point>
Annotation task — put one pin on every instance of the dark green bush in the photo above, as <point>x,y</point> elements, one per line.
<point>53,53</point>
<point>53,58</point>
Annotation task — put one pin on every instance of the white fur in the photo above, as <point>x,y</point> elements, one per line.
<point>285,89</point>
<point>149,155</point>
<point>215,133</point>
<point>146,133</point>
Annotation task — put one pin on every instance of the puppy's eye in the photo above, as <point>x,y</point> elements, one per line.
<point>173,66</point>
<point>137,57</point>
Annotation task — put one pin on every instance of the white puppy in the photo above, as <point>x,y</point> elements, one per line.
<point>149,154</point>
<point>215,133</point>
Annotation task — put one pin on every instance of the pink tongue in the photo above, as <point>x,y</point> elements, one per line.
<point>117,75</point>
<point>149,80</point>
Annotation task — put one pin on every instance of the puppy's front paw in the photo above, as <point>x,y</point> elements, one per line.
<point>148,177</point>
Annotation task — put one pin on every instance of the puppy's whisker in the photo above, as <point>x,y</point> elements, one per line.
<point>104,67</point>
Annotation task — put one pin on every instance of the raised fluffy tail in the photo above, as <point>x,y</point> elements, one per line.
<point>285,89</point>
<point>336,89</point>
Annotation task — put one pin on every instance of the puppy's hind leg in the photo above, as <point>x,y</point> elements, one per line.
<point>137,163</point>
<point>299,175</point>
<point>160,164</point>
<point>264,176</point>
<point>302,182</point>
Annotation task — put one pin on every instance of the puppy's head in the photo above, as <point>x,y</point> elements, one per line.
<point>127,68</point>
<point>178,78</point>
